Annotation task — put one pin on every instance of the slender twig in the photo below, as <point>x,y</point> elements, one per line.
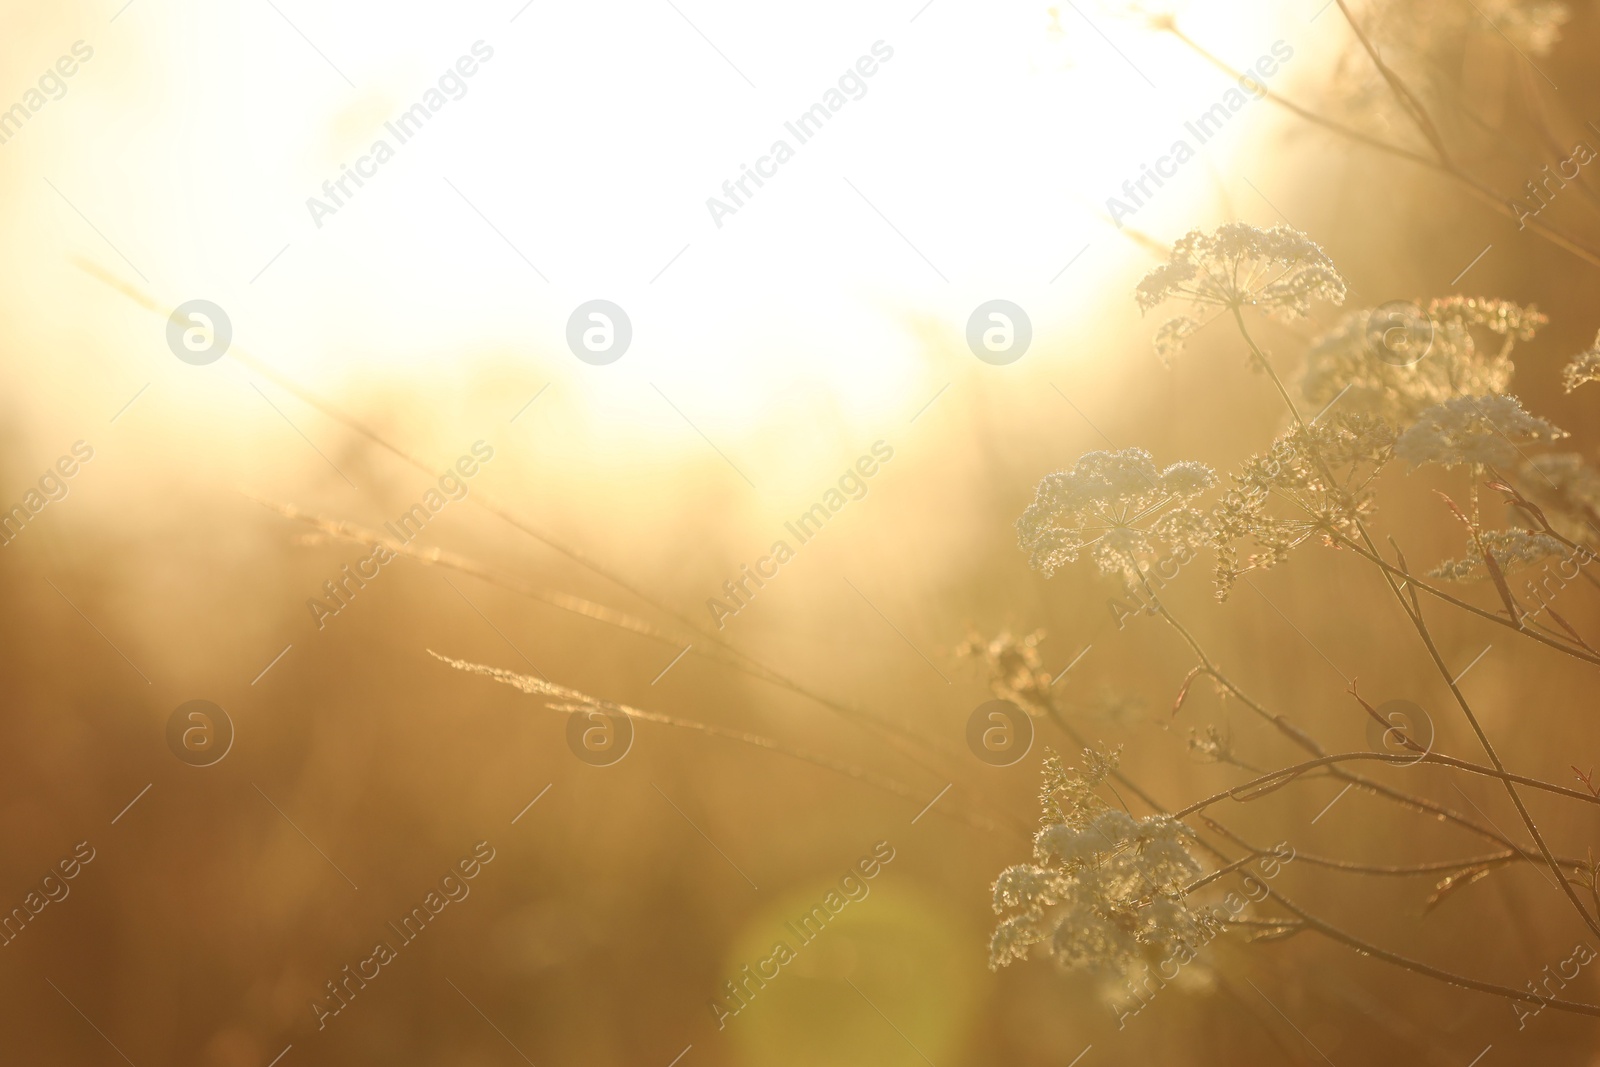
<point>1383,757</point>
<point>1416,583</point>
<point>1478,190</point>
<point>1408,100</point>
<point>1418,967</point>
<point>562,698</point>
<point>1305,113</point>
<point>1411,870</point>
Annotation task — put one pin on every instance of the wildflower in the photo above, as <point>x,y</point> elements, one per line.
<point>1238,266</point>
<point>1482,431</point>
<point>1016,672</point>
<point>1105,890</point>
<point>1119,507</point>
<point>1213,745</point>
<point>1568,489</point>
<point>1585,367</point>
<point>1283,497</point>
<point>1510,549</point>
<point>1467,344</point>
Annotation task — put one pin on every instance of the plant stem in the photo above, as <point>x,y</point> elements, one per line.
<point>1498,859</point>
<point>1494,757</point>
<point>1285,773</point>
<point>1332,932</point>
<point>1440,594</point>
<point>1308,743</point>
<point>1415,615</point>
<point>1408,100</point>
<point>1481,192</point>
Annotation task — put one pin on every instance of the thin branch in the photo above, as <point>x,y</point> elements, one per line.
<point>1421,627</point>
<point>1412,870</point>
<point>1305,113</point>
<point>1416,583</point>
<point>1408,100</point>
<point>1298,769</point>
<point>1418,967</point>
<point>1479,191</point>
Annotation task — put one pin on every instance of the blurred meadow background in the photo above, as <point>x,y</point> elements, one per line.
<point>373,346</point>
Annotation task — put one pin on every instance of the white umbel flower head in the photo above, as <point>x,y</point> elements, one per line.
<point>1237,266</point>
<point>1482,431</point>
<point>1117,505</point>
<point>1105,890</point>
<point>1511,549</point>
<point>1452,346</point>
<point>1585,367</point>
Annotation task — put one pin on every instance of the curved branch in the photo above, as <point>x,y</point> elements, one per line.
<point>1367,948</point>
<point>1498,859</point>
<point>1410,870</point>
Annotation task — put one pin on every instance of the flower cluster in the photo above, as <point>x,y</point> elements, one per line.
<point>1120,508</point>
<point>1483,431</point>
<point>1511,549</point>
<point>1106,890</point>
<point>1467,343</point>
<point>1016,672</point>
<point>1568,490</point>
<point>1238,266</point>
<point>1585,367</point>
<point>1212,745</point>
<point>1284,496</point>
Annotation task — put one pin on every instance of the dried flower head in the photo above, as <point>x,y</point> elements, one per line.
<point>1283,497</point>
<point>1106,890</point>
<point>1512,549</point>
<point>1120,507</point>
<point>1214,745</point>
<point>1015,670</point>
<point>1585,367</point>
<point>1239,266</point>
<point>1567,488</point>
<point>1482,431</point>
<point>1467,343</point>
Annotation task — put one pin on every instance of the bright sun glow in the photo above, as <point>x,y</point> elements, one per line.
<point>973,162</point>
